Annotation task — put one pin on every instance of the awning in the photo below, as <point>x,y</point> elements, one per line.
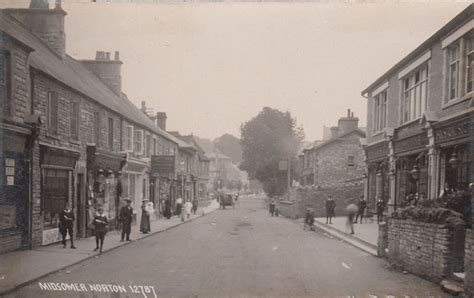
<point>58,157</point>
<point>101,159</point>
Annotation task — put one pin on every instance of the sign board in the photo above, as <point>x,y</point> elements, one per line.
<point>283,165</point>
<point>162,165</point>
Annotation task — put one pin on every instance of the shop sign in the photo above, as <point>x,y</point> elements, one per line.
<point>456,130</point>
<point>377,151</point>
<point>413,142</point>
<point>162,165</point>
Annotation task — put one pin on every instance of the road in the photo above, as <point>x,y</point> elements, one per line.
<point>241,252</point>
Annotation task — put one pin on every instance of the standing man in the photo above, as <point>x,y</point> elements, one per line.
<point>330,206</point>
<point>362,205</point>
<point>125,217</point>
<point>352,210</point>
<point>195,205</point>
<point>380,208</point>
<point>66,224</point>
<point>272,207</point>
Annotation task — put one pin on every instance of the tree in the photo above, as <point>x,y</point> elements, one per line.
<point>267,139</point>
<point>229,145</point>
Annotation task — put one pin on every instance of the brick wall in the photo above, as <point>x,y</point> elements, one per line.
<point>428,250</point>
<point>312,197</point>
<point>469,263</point>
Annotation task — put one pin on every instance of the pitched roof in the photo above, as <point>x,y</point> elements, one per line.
<point>319,144</point>
<point>464,15</point>
<point>73,74</point>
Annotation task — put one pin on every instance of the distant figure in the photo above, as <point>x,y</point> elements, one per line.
<point>66,224</point>
<point>100,229</point>
<point>179,206</point>
<point>272,207</point>
<point>145,220</point>
<point>277,211</point>
<point>167,211</point>
<point>309,219</point>
<point>380,207</point>
<point>188,206</point>
<point>352,210</point>
<point>125,217</point>
<point>362,205</point>
<point>330,206</point>
<point>195,206</point>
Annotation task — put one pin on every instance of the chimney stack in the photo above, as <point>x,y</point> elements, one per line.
<point>109,71</point>
<point>349,123</point>
<point>143,107</point>
<point>161,120</point>
<point>117,56</point>
<point>47,24</point>
<point>334,132</point>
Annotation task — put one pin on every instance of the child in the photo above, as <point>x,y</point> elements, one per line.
<point>100,224</point>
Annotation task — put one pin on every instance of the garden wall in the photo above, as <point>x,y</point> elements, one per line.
<point>430,250</point>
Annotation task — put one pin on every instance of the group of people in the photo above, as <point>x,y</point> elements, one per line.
<point>125,218</point>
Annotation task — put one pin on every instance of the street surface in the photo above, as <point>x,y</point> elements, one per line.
<point>239,252</point>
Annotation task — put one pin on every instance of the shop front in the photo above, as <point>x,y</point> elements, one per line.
<point>14,187</point>
<point>377,174</point>
<point>57,173</point>
<point>104,184</point>
<point>136,182</point>
<point>162,172</point>
<point>411,168</point>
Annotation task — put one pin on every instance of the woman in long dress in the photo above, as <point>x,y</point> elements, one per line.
<point>145,221</point>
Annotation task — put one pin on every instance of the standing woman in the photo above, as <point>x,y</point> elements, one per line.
<point>145,221</point>
<point>100,227</point>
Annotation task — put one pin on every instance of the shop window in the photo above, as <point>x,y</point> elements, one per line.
<point>414,94</point>
<point>5,82</point>
<point>75,120</point>
<point>111,134</point>
<point>53,112</point>
<point>56,189</point>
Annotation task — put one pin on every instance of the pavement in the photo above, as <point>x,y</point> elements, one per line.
<point>21,267</point>
<point>364,237</point>
<point>241,252</point>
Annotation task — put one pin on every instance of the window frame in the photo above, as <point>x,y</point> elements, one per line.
<point>469,52</point>
<point>379,121</point>
<point>110,133</point>
<point>75,111</point>
<point>53,99</point>
<point>138,140</point>
<point>415,103</point>
<point>129,132</point>
<point>8,74</point>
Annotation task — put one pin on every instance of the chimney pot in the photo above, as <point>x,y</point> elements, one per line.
<point>57,4</point>
<point>107,56</point>
<point>348,113</point>
<point>97,55</point>
<point>117,55</point>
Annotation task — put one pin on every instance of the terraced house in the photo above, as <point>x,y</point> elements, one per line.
<point>420,118</point>
<point>69,132</point>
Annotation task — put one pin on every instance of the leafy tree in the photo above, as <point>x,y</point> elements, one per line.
<point>229,145</point>
<point>267,139</point>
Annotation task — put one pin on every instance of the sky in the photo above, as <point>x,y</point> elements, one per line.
<point>212,66</point>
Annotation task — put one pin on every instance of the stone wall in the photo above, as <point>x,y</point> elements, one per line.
<point>312,197</point>
<point>428,250</point>
<point>469,263</point>
<point>382,240</point>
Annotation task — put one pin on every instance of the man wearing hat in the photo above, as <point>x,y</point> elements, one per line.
<point>125,217</point>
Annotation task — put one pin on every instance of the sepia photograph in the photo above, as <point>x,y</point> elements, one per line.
<point>236,148</point>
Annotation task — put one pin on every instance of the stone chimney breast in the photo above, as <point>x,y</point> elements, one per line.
<point>161,120</point>
<point>109,71</point>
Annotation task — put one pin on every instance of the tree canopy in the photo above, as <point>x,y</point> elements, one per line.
<point>267,139</point>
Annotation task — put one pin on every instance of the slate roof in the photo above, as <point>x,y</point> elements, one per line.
<point>73,74</point>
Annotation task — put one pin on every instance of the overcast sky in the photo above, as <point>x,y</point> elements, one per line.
<point>212,66</point>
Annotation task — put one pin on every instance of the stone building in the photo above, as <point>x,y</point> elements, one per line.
<point>339,159</point>
<point>420,118</point>
<point>69,134</point>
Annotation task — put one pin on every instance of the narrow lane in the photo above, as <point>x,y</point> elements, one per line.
<point>238,252</point>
